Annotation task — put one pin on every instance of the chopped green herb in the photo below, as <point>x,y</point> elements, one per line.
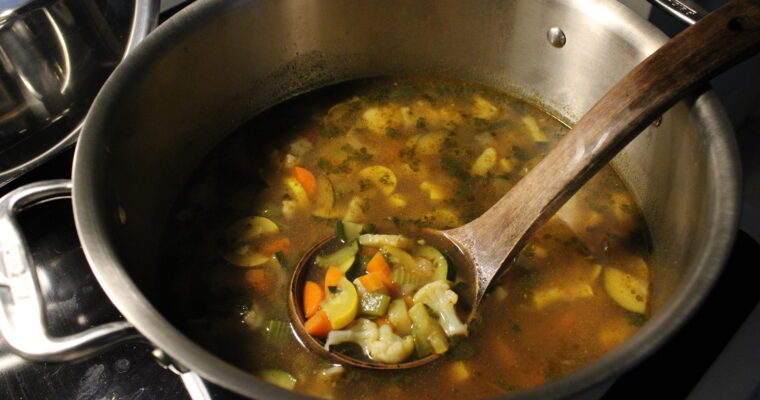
<point>519,153</point>
<point>365,205</point>
<point>330,131</point>
<point>529,251</point>
<point>462,351</point>
<point>502,384</point>
<point>394,133</point>
<point>328,167</point>
<point>385,180</point>
<point>480,122</point>
<point>498,124</point>
<point>515,326</point>
<point>636,319</point>
<point>407,155</point>
<point>453,167</point>
<point>401,379</point>
<point>421,123</point>
<point>364,184</point>
<point>628,209</point>
<point>282,260</point>
<point>527,280</point>
<point>401,92</point>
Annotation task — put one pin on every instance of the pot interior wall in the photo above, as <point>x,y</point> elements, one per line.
<point>218,64</point>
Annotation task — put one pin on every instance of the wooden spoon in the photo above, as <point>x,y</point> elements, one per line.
<point>491,242</point>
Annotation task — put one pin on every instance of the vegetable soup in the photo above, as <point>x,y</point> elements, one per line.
<point>386,155</point>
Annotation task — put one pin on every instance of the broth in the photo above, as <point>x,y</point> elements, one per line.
<point>578,289</point>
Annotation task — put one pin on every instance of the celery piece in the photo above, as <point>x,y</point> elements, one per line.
<point>276,332</point>
<point>348,231</point>
<point>374,304</point>
<point>380,240</point>
<point>343,258</point>
<point>278,377</point>
<point>399,317</point>
<point>402,277</point>
<point>428,335</point>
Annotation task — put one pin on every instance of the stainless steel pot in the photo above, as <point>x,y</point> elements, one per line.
<point>217,63</point>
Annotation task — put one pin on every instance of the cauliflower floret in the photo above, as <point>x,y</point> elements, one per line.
<point>300,147</point>
<point>391,348</point>
<point>441,300</point>
<point>362,333</point>
<point>378,344</point>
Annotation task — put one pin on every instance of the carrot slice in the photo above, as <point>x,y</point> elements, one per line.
<point>273,246</point>
<point>306,179</point>
<point>318,325</point>
<point>312,296</point>
<point>332,277</point>
<point>378,265</point>
<point>372,281</point>
<point>257,280</point>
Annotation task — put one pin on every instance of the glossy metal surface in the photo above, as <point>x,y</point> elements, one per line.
<point>687,11</point>
<point>75,302</point>
<point>54,56</point>
<point>242,57</point>
<point>22,311</point>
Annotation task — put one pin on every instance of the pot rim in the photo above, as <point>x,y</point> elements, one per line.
<point>722,162</point>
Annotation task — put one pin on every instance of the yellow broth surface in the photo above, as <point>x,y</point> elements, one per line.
<point>578,289</point>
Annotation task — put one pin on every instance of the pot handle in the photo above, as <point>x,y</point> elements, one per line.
<point>687,11</point>
<point>22,318</point>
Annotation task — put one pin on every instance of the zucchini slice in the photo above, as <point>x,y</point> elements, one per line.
<point>440,265</point>
<point>278,377</point>
<point>381,177</point>
<point>324,198</point>
<point>348,231</point>
<point>297,192</point>
<point>245,256</point>
<point>250,228</point>
<point>626,290</point>
<point>343,305</point>
<point>343,258</point>
<point>399,258</point>
<point>240,237</point>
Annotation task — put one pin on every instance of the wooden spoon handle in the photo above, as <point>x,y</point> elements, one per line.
<point>713,44</point>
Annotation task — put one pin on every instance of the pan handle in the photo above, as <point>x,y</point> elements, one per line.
<point>687,11</point>
<point>22,317</point>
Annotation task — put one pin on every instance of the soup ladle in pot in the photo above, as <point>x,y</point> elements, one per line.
<point>487,245</point>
